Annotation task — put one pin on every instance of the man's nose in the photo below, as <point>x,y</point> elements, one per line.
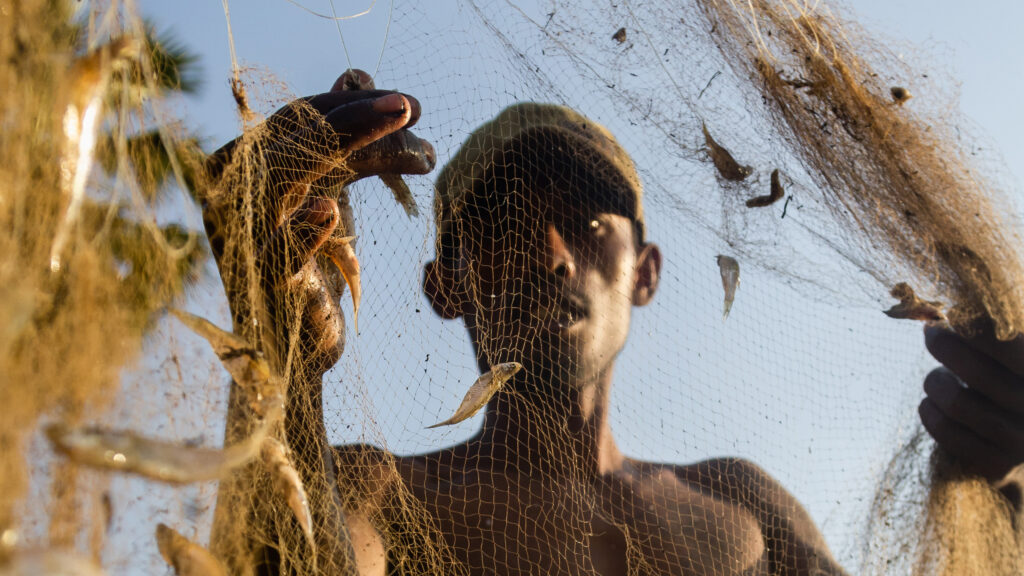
<point>558,259</point>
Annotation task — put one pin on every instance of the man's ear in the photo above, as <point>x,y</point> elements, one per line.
<point>443,287</point>
<point>648,271</point>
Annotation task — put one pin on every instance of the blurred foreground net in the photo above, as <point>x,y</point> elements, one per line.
<point>767,134</point>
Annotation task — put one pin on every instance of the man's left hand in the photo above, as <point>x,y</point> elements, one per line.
<point>974,406</point>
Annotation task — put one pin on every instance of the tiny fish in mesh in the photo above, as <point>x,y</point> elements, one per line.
<point>900,94</point>
<point>185,556</point>
<point>480,392</point>
<point>126,451</point>
<point>288,484</point>
<point>82,119</point>
<point>340,251</point>
<point>730,270</point>
<point>403,195</point>
<point>246,365</point>
<point>726,165</point>
<point>913,308</point>
<point>776,193</point>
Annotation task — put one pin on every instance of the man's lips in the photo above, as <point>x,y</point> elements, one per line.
<point>563,313</point>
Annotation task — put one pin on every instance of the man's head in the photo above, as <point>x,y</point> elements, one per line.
<point>540,243</point>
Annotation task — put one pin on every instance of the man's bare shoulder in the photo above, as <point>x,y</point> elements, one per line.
<point>794,542</point>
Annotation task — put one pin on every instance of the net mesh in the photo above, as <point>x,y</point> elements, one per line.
<point>783,439</point>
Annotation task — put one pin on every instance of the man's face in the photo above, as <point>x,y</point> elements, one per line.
<point>550,275</point>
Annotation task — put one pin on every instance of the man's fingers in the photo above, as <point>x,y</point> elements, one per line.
<point>366,121</point>
<point>353,79</point>
<point>980,371</point>
<point>293,244</point>
<point>328,102</point>
<point>975,412</point>
<point>1009,353</point>
<point>305,146</point>
<point>974,453</point>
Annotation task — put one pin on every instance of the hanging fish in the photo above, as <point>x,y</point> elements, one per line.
<point>340,251</point>
<point>777,192</point>
<point>913,308</point>
<point>403,195</point>
<point>247,366</point>
<point>726,165</point>
<point>288,484</point>
<point>82,117</point>
<point>185,556</point>
<point>730,270</point>
<point>164,461</point>
<point>481,391</point>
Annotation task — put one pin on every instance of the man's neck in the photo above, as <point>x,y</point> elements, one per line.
<point>540,429</point>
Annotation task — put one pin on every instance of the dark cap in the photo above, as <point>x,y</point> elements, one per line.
<point>526,122</point>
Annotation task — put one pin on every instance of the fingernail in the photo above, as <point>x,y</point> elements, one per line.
<point>390,104</point>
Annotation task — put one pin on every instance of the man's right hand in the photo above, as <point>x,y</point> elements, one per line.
<point>301,145</point>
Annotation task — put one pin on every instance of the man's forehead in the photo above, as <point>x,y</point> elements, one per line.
<point>555,147</point>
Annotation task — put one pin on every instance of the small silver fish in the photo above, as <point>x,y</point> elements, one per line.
<point>90,77</point>
<point>730,271</point>
<point>403,195</point>
<point>185,556</point>
<point>125,451</point>
<point>776,193</point>
<point>288,484</point>
<point>481,391</point>
<point>726,165</point>
<point>340,251</point>
<point>913,308</point>
<point>247,366</point>
<point>900,94</point>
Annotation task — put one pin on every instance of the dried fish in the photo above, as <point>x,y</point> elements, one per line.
<point>126,451</point>
<point>620,35</point>
<point>246,365</point>
<point>49,563</point>
<point>288,484</point>
<point>185,556</point>
<point>481,391</point>
<point>402,193</point>
<point>777,192</point>
<point>900,94</point>
<point>913,308</point>
<point>730,271</point>
<point>340,251</point>
<point>82,117</point>
<point>726,165</point>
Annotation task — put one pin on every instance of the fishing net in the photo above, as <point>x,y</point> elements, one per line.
<point>769,141</point>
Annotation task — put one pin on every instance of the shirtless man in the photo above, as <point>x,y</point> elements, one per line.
<point>543,252</point>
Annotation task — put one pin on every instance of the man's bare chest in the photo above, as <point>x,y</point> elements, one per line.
<point>510,525</point>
